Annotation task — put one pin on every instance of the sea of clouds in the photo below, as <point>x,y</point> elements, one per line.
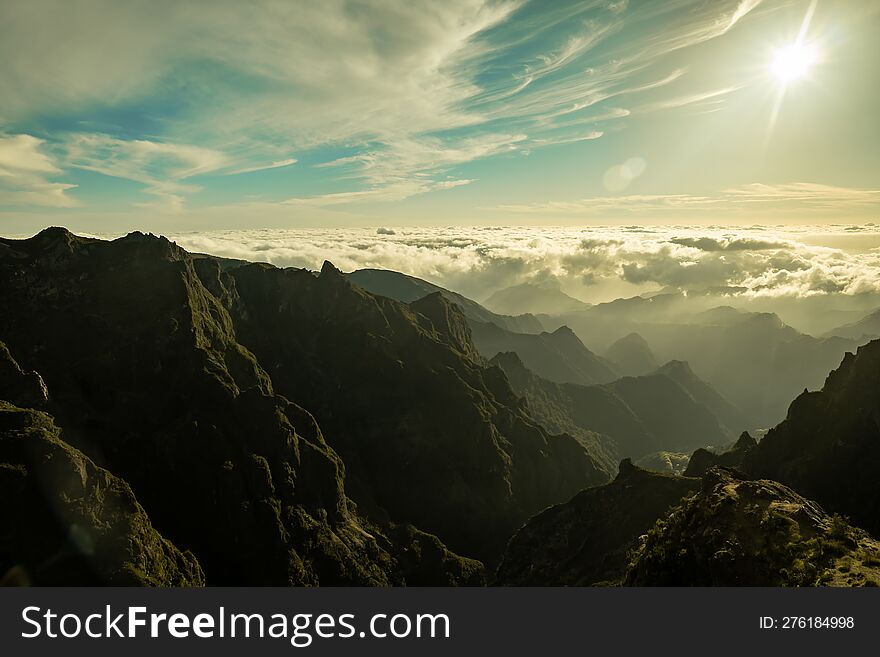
<point>594,264</point>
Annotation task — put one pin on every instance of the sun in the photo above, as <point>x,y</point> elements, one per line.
<point>794,61</point>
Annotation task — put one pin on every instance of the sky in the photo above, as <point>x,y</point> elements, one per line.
<point>196,116</point>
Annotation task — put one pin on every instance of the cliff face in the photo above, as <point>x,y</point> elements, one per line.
<point>68,522</point>
<point>156,366</point>
<point>148,379</point>
<point>828,448</point>
<point>408,404</point>
<point>587,540</point>
<point>740,532</point>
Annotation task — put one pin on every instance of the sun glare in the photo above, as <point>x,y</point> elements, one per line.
<point>794,61</point>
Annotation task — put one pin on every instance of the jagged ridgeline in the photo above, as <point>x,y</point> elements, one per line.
<point>252,425</point>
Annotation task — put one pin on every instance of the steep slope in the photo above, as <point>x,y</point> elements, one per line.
<point>68,521</point>
<point>678,422</point>
<point>593,414</point>
<point>638,415</point>
<point>828,448</point>
<point>534,299</point>
<point>728,415</point>
<point>632,356</point>
<point>559,356</point>
<point>587,540</point>
<point>740,532</point>
<point>148,379</point>
<point>73,523</point>
<point>395,285</point>
<point>429,434</point>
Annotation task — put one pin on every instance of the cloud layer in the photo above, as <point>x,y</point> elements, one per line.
<point>594,264</point>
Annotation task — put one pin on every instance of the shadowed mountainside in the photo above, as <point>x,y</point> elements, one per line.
<point>632,356</point>
<point>66,521</point>
<point>828,448</point>
<point>407,403</point>
<point>148,379</point>
<point>559,356</point>
<point>587,540</point>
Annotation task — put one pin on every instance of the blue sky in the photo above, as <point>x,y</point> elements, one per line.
<point>180,116</point>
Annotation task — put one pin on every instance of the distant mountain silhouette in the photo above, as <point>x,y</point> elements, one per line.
<point>754,360</point>
<point>534,299</point>
<point>632,356</point>
<point>558,356</point>
<point>394,285</point>
<point>728,415</point>
<point>634,416</point>
<point>867,328</point>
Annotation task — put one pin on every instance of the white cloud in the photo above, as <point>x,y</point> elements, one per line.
<point>25,172</point>
<point>745,263</point>
<point>252,82</point>
<point>161,167</point>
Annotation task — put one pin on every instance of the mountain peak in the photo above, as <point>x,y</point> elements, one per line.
<point>745,441</point>
<point>328,268</point>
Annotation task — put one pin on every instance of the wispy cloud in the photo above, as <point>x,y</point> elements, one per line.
<point>787,198</point>
<point>412,90</point>
<point>26,173</point>
<point>263,167</point>
<point>161,167</point>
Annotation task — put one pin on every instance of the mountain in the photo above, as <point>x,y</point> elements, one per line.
<point>406,404</point>
<point>677,421</point>
<point>559,356</point>
<point>867,328</point>
<point>534,299</point>
<point>741,532</point>
<point>633,416</point>
<point>587,540</point>
<point>84,525</point>
<point>148,378</point>
<point>702,459</point>
<point>588,413</point>
<point>632,356</point>
<point>828,447</point>
<point>754,360</point>
<point>394,285</point>
<point>729,415</point>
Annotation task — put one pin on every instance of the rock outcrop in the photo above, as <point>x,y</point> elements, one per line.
<point>741,532</point>
<point>587,540</point>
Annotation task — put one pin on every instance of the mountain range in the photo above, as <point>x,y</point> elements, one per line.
<point>167,370</point>
<point>175,419</point>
